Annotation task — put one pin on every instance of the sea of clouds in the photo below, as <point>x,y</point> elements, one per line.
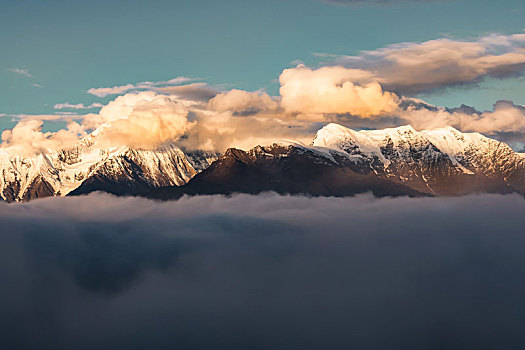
<point>263,272</point>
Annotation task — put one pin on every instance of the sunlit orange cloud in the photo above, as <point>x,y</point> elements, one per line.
<point>334,90</point>
<point>27,138</point>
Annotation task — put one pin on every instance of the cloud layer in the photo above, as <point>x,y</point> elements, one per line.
<point>243,103</point>
<point>372,90</point>
<point>68,105</point>
<point>20,71</point>
<point>410,68</point>
<point>506,121</point>
<point>196,117</point>
<point>145,85</point>
<point>145,119</point>
<point>266,272</point>
<point>27,138</point>
<point>333,90</point>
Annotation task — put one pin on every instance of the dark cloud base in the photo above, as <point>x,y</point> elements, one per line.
<point>263,272</point>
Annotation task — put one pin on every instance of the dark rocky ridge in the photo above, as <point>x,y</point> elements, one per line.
<point>285,170</point>
<point>422,170</point>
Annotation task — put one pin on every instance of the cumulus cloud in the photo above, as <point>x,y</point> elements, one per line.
<point>334,90</point>
<point>372,90</point>
<point>505,118</point>
<point>243,103</point>
<point>20,71</point>
<point>219,131</point>
<point>350,96</point>
<point>68,105</point>
<point>147,119</point>
<point>27,138</point>
<point>115,90</point>
<point>145,85</point>
<point>265,272</point>
<point>144,119</point>
<point>411,68</point>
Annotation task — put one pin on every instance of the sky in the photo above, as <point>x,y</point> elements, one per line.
<point>54,52</point>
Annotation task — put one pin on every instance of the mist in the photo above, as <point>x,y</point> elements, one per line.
<point>263,272</point>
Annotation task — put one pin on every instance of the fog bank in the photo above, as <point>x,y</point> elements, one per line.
<point>263,272</point>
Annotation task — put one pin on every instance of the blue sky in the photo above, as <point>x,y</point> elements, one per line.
<point>71,46</point>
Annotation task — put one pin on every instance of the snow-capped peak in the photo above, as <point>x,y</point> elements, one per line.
<point>448,139</point>
<point>364,142</point>
<point>465,150</point>
<point>60,172</point>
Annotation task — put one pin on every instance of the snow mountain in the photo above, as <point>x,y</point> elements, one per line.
<point>339,162</point>
<point>87,167</point>
<point>285,169</point>
<point>441,161</point>
<point>389,162</point>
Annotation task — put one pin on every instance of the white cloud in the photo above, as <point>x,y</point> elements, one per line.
<point>145,85</point>
<point>115,90</point>
<point>241,102</point>
<point>27,138</point>
<point>504,118</point>
<point>20,71</point>
<point>68,105</point>
<point>46,117</point>
<point>198,116</point>
<point>147,119</point>
<point>144,119</point>
<point>410,68</point>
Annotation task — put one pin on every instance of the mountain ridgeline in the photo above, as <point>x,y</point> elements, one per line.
<point>88,167</point>
<point>389,162</point>
<point>339,162</point>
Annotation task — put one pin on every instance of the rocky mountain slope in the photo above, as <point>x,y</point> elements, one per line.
<point>285,169</point>
<point>341,161</point>
<point>87,167</point>
<point>439,162</point>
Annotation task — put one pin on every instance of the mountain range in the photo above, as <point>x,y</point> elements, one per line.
<point>339,162</point>
<point>89,167</point>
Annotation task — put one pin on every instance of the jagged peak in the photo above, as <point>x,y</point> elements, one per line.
<point>332,133</point>
<point>233,152</point>
<point>335,127</point>
<point>335,132</point>
<point>450,130</point>
<point>447,139</point>
<point>336,136</point>
<point>399,129</point>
